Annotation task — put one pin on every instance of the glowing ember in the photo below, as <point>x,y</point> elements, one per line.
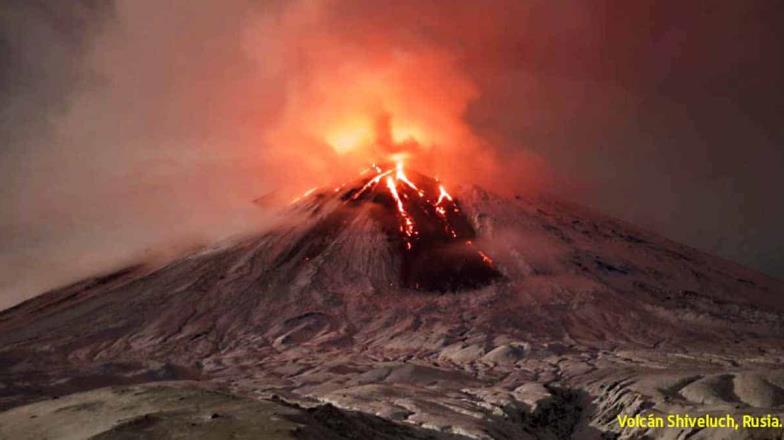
<point>443,195</point>
<point>485,258</point>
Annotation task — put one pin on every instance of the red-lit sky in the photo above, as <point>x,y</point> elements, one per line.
<point>130,127</point>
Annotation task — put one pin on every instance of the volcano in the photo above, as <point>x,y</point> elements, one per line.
<point>392,308</point>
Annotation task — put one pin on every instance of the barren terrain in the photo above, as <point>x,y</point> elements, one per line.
<point>309,326</point>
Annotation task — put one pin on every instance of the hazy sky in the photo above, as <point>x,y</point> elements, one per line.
<point>133,126</point>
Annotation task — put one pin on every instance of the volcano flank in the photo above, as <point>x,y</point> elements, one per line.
<point>391,308</point>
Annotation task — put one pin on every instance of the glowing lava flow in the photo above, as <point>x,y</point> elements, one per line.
<point>419,218</point>
<point>399,186</point>
<point>401,176</point>
<point>371,183</point>
<point>441,210</point>
<point>486,258</point>
<point>407,227</point>
<point>443,195</point>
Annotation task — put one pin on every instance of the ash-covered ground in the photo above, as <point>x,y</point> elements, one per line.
<point>493,318</point>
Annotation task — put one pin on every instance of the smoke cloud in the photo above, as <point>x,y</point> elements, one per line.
<point>142,127</point>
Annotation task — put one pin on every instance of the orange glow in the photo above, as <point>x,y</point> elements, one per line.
<point>403,134</point>
<point>350,136</point>
<point>365,102</point>
<point>356,93</point>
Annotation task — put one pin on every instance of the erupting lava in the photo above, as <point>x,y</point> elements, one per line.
<point>436,237</point>
<point>419,215</point>
<point>395,178</point>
